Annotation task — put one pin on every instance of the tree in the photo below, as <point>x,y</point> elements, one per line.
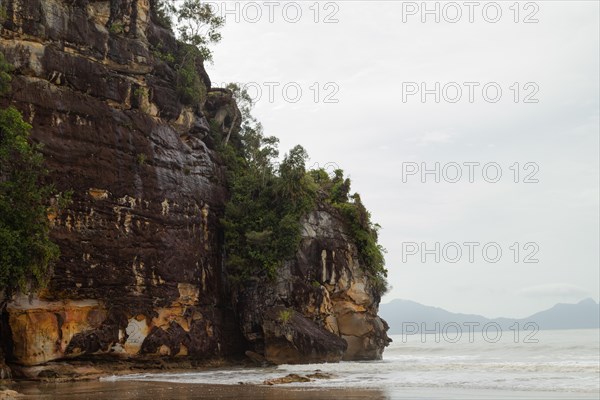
<point>293,185</point>
<point>26,251</point>
<point>244,103</point>
<point>199,26</point>
<point>258,150</point>
<point>196,23</point>
<point>162,11</point>
<point>262,217</point>
<point>188,83</point>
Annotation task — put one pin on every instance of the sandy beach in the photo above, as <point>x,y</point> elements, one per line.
<point>133,390</point>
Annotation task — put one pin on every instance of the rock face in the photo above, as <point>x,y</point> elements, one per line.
<point>292,338</point>
<point>140,273</point>
<point>326,287</point>
<point>140,270</point>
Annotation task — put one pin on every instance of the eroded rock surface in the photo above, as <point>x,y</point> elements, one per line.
<point>291,338</point>
<point>326,285</point>
<point>140,270</point>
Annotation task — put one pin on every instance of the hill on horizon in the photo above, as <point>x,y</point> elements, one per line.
<point>582,315</point>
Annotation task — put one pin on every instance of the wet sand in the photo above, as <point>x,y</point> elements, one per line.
<point>134,390</point>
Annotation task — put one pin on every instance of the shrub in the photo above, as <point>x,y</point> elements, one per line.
<point>188,82</point>
<point>26,250</point>
<point>116,28</point>
<point>285,316</point>
<point>141,158</point>
<point>364,234</point>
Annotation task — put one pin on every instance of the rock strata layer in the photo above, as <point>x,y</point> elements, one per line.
<point>324,284</point>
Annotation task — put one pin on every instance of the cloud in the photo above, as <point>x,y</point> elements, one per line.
<point>371,132</point>
<point>554,290</point>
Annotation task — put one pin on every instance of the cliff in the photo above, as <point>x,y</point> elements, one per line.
<point>323,289</point>
<point>141,269</point>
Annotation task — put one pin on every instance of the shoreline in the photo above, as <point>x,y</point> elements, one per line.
<point>412,371</point>
<point>67,371</point>
<point>130,390</point>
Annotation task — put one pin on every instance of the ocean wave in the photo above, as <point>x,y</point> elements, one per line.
<point>381,375</point>
<point>556,366</point>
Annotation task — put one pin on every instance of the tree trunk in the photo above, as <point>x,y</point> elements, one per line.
<point>230,130</point>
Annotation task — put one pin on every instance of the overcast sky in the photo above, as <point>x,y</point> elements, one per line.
<point>379,52</point>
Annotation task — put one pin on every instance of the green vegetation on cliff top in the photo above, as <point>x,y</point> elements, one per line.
<point>268,201</point>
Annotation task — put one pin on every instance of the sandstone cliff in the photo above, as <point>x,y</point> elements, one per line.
<point>323,289</point>
<point>140,274</point>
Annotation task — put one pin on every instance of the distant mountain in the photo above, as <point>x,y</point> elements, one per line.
<point>582,315</point>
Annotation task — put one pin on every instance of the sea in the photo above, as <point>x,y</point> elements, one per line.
<point>561,364</point>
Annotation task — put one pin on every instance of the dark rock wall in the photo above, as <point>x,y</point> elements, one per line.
<point>140,269</point>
